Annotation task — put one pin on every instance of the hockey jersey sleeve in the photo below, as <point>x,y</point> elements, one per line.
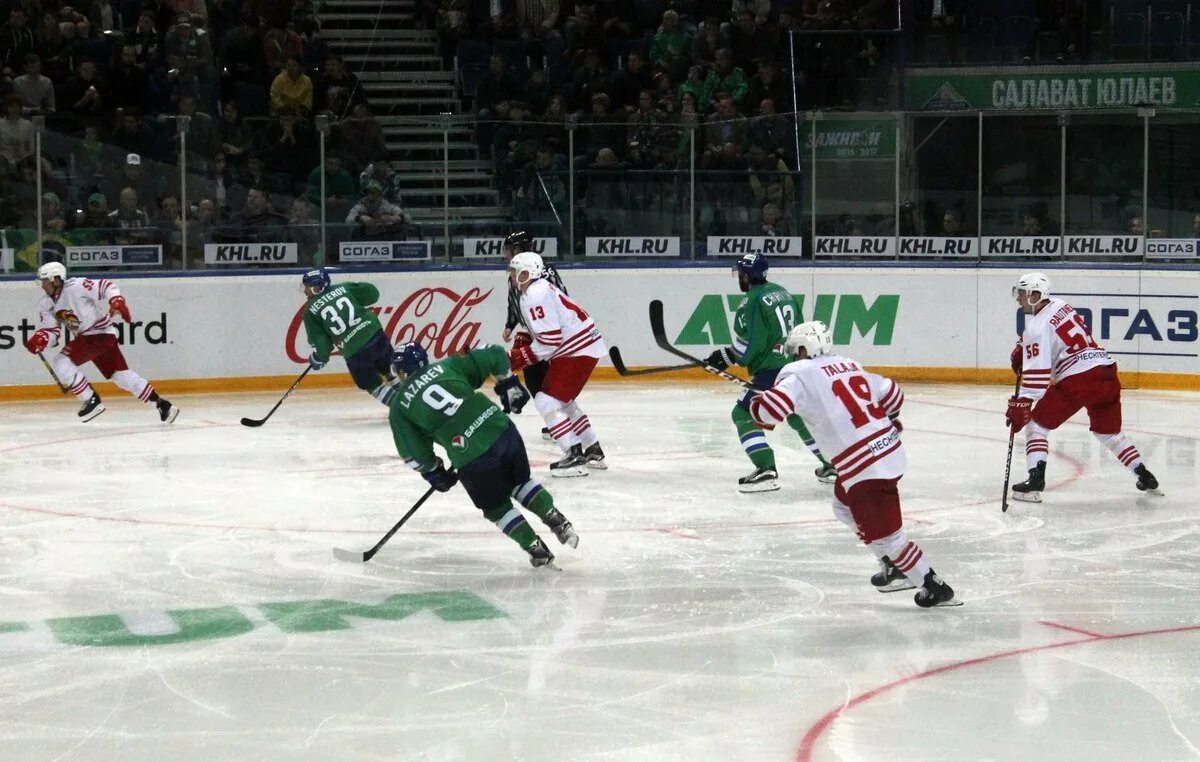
<point>514,308</point>
<point>478,365</point>
<point>414,446</point>
<point>743,331</point>
<point>318,338</point>
<point>776,404</point>
<point>1035,363</point>
<point>365,293</point>
<point>888,393</point>
<point>47,322</point>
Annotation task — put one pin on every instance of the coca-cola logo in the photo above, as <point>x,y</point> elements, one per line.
<point>421,317</point>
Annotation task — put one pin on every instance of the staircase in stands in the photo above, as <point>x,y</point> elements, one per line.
<point>408,88</point>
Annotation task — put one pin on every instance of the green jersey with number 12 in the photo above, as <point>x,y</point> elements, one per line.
<point>339,315</point>
<point>441,404</point>
<point>766,315</point>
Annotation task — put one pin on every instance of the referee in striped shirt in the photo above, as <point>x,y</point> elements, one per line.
<point>535,374</point>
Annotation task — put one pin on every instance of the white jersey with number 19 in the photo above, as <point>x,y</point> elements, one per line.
<point>1056,344</point>
<point>847,410</point>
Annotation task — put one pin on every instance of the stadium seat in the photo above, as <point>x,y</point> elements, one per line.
<point>470,64</point>
<point>516,55</point>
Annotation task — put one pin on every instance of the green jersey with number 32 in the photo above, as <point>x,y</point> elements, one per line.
<point>339,315</point>
<point>766,315</point>
<point>442,404</point>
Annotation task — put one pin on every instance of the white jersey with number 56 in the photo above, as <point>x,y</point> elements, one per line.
<point>1055,345</point>
<point>847,410</point>
<point>560,327</point>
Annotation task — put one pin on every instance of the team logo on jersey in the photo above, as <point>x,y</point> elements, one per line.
<point>459,443</point>
<point>67,318</point>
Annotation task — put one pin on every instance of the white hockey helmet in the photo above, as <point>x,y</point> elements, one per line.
<point>52,270</point>
<point>529,263</point>
<point>1030,282</point>
<point>814,336</point>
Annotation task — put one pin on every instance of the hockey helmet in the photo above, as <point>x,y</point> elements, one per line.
<point>52,270</point>
<point>1030,282</point>
<point>318,278</point>
<point>814,336</point>
<point>529,263</point>
<point>518,241</point>
<point>409,358</point>
<point>754,266</point>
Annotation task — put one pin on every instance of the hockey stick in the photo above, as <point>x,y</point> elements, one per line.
<point>1012,437</point>
<point>255,423</point>
<point>363,557</point>
<point>614,354</point>
<point>660,335</point>
<point>53,375</point>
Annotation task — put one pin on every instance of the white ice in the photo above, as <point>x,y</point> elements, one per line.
<point>692,623</point>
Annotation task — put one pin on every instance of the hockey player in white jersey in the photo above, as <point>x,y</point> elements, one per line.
<point>1063,370</point>
<point>855,414</point>
<point>561,332</point>
<point>86,308</point>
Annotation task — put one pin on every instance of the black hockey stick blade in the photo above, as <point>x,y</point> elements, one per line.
<point>256,422</point>
<point>614,354</point>
<point>366,555</point>
<point>659,329</point>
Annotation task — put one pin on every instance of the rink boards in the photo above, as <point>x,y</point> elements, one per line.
<point>244,332</point>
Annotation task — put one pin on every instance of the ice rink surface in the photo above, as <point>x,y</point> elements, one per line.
<point>170,593</point>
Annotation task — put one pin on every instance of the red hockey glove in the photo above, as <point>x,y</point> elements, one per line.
<point>38,342</point>
<point>117,306</point>
<point>522,339</point>
<point>521,357</point>
<point>1015,358</point>
<point>1020,412</point>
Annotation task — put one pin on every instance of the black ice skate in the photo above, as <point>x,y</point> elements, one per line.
<point>935,593</point>
<point>166,411</point>
<point>1146,481</point>
<point>546,434</point>
<point>826,474</point>
<point>1030,490</point>
<point>539,554</point>
<point>90,409</point>
<point>572,464</point>
<point>595,457</point>
<point>562,528</point>
<point>889,579</point>
<point>762,480</point>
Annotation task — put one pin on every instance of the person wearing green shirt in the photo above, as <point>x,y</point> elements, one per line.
<point>764,318</point>
<point>441,404</point>
<point>337,316</point>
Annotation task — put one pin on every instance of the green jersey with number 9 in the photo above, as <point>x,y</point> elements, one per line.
<point>764,318</point>
<point>339,315</point>
<point>442,404</point>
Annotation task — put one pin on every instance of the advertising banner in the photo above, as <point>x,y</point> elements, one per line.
<point>1171,248</point>
<point>849,138</point>
<point>1054,88</point>
<point>113,256</point>
<point>736,246</point>
<point>1104,245</point>
<point>856,246</point>
<point>250,253</point>
<point>478,248</point>
<point>937,246</point>
<point>1022,246</point>
<point>351,252</point>
<point>632,247</point>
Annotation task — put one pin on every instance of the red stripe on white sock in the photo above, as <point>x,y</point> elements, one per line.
<point>582,425</point>
<point>561,429</point>
<point>145,395</point>
<point>904,554</point>
<point>912,562</point>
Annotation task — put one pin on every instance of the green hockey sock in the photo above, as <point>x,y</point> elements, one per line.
<point>510,520</point>
<point>797,423</point>
<point>754,439</point>
<point>535,497</point>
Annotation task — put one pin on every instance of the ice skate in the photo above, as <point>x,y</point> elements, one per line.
<point>166,411</point>
<point>90,409</point>
<point>826,474</point>
<point>546,434</point>
<point>595,457</point>
<point>889,579</point>
<point>539,554</point>
<point>761,480</point>
<point>1146,481</point>
<point>562,528</point>
<point>935,593</point>
<point>572,464</point>
<point>1030,490</point>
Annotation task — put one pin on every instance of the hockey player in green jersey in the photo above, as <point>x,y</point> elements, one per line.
<point>441,403</point>
<point>339,315</point>
<point>764,318</point>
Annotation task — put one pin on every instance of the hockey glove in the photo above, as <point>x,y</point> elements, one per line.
<point>117,306</point>
<point>896,422</point>
<point>720,359</point>
<point>513,396</point>
<point>1015,358</point>
<point>522,339</point>
<point>440,478</point>
<point>38,342</point>
<point>521,357</point>
<point>1020,412</point>
<point>315,362</point>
